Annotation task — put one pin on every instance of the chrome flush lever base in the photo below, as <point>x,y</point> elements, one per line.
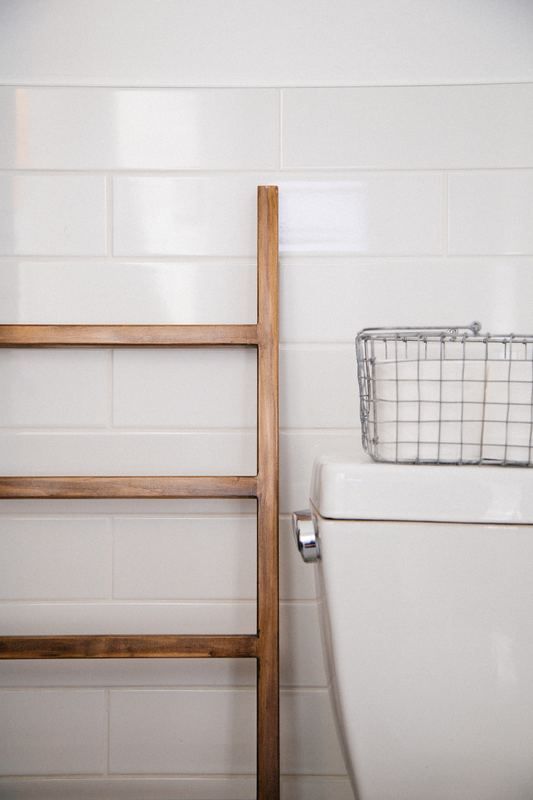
<point>306,535</point>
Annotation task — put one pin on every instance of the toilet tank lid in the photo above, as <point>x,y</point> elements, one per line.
<point>362,489</point>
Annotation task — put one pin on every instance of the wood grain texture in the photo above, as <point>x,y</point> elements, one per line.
<point>126,335</point>
<point>139,646</point>
<point>120,487</point>
<point>268,756</point>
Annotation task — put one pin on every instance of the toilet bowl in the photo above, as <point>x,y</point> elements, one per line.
<point>425,585</point>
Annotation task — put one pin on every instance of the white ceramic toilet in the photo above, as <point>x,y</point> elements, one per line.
<point>425,575</point>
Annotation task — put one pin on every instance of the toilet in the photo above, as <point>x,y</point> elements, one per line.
<point>425,584</point>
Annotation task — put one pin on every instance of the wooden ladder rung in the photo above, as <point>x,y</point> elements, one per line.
<point>124,487</point>
<point>126,335</point>
<point>139,646</point>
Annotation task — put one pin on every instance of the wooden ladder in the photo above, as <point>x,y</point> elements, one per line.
<point>263,645</point>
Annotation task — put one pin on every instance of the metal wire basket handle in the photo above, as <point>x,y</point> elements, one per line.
<point>435,330</point>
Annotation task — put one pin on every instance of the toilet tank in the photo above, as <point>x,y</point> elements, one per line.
<point>425,582</point>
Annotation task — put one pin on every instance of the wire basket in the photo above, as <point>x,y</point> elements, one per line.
<point>446,395</point>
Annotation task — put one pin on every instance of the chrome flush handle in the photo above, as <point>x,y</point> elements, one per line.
<point>306,535</point>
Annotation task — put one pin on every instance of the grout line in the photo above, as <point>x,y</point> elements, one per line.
<point>92,516</point>
<point>289,261</point>
<point>119,602</point>
<point>258,173</point>
<point>17,84</point>
<point>167,431</point>
<point>198,260</point>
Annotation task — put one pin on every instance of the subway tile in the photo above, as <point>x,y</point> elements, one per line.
<point>135,453</point>
<point>172,731</point>
<point>369,213</point>
<point>127,293</point>
<point>167,453</point>
<point>326,300</point>
<point>293,787</point>
<point>297,787</point>
<point>52,731</point>
<point>93,129</point>
<point>55,559</point>
<point>329,301</point>
<point>137,788</point>
<point>490,213</point>
<point>240,44</point>
<point>185,388</point>
<point>309,743</point>
<point>55,388</point>
<point>408,127</point>
<point>128,672</point>
<point>41,618</point>
<point>185,216</point>
<point>298,451</point>
<point>149,507</point>
<point>205,558</point>
<point>301,659</point>
<point>318,387</point>
<point>159,731</point>
<point>52,215</point>
<point>301,650</point>
<point>372,213</point>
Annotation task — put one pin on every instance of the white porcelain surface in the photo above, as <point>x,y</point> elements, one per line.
<point>185,388</point>
<point>139,129</point>
<point>110,452</point>
<point>55,558</point>
<point>286,43</point>
<point>428,627</point>
<point>298,451</point>
<point>415,127</point>
<point>196,558</point>
<point>490,212</point>
<point>55,388</point>
<point>359,488</point>
<point>52,215</point>
<point>127,292</point>
<point>42,729</point>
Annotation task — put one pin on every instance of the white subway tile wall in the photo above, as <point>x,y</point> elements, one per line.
<point>127,195</point>
<point>52,215</point>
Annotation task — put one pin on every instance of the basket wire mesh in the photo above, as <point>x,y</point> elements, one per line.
<point>446,395</point>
